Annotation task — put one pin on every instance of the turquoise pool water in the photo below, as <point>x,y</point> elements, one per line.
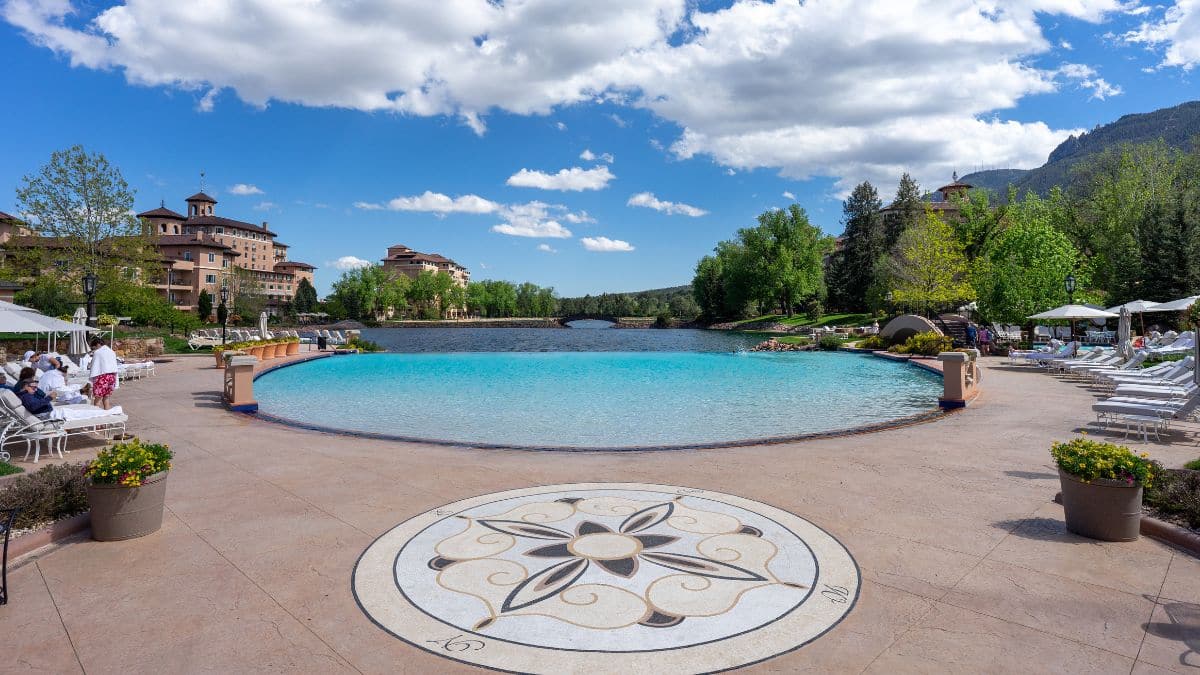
<point>596,399</point>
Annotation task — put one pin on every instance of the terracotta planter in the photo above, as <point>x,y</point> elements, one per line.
<point>1107,510</point>
<point>292,348</point>
<point>220,358</point>
<point>256,352</point>
<point>279,349</point>
<point>120,512</point>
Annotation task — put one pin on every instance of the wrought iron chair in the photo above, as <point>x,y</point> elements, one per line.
<point>7,516</point>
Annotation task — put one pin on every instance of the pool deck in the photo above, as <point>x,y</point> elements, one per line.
<point>966,565</point>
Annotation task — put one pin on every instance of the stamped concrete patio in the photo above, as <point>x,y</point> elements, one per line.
<point>966,566</point>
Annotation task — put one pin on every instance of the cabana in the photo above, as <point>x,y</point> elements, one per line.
<point>20,319</point>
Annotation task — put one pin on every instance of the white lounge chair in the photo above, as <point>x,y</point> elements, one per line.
<point>21,425</point>
<point>89,419</point>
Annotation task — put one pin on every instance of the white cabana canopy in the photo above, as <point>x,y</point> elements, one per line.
<point>1074,312</point>
<point>22,319</point>
<point>1179,305</point>
<point>1137,307</point>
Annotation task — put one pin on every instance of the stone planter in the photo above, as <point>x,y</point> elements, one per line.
<point>120,512</point>
<point>1107,510</point>
<point>292,348</point>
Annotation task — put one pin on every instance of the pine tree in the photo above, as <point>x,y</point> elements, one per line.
<point>905,210</point>
<point>863,243</point>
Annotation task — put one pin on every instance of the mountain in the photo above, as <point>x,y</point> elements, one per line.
<point>1176,126</point>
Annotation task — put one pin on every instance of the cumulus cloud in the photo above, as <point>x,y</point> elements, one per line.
<point>820,88</point>
<point>532,219</point>
<point>578,218</point>
<point>265,206</point>
<point>1087,78</point>
<point>546,248</point>
<point>1178,30</point>
<point>575,179</point>
<point>434,202</point>
<point>589,156</point>
<point>648,200</point>
<point>243,189</point>
<point>605,245</point>
<point>348,262</point>
<point>788,195</point>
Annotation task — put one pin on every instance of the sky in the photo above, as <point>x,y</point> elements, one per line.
<point>592,147</point>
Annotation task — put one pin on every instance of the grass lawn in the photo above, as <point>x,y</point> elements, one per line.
<point>801,320</point>
<point>7,469</point>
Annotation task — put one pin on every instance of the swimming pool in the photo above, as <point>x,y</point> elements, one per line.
<point>594,400</point>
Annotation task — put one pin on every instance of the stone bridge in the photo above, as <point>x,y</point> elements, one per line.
<point>618,322</point>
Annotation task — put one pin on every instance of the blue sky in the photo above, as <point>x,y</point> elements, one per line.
<point>446,127</point>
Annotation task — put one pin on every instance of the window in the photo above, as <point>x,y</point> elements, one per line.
<point>224,262</point>
<point>212,257</point>
<point>210,278</point>
<point>220,230</point>
<point>187,255</point>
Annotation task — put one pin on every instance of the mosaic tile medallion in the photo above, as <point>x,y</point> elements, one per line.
<point>607,577</point>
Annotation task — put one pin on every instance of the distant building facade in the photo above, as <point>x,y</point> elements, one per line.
<point>403,260</point>
<point>945,201</point>
<point>201,249</point>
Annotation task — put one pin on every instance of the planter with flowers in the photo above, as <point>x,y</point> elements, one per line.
<point>1102,487</point>
<point>127,485</point>
<point>292,346</point>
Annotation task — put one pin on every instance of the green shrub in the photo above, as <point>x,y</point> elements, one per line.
<point>53,492</point>
<point>925,344</point>
<point>128,463</point>
<point>1194,465</point>
<point>872,342</point>
<point>7,469</point>
<point>829,343</point>
<point>363,345</point>
<point>1089,460</point>
<point>1177,493</point>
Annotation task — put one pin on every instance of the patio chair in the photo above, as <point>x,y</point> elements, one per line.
<point>1063,332</point>
<point>7,518</point>
<point>1035,356</point>
<point>83,418</point>
<point>1186,342</point>
<point>1166,372</point>
<point>1163,391</point>
<point>1042,333</point>
<point>1133,365</point>
<point>1112,408</point>
<point>24,426</point>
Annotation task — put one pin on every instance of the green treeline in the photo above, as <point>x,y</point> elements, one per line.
<point>1128,228</point>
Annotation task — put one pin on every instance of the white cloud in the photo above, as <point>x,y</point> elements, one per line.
<point>577,218</point>
<point>788,195</point>
<point>574,179</point>
<point>560,126</point>
<point>434,202</point>
<point>1065,45</point>
<point>820,88</point>
<point>605,245</point>
<point>1087,78</point>
<point>243,189</point>
<point>1178,30</point>
<point>618,120</point>
<point>648,200</point>
<point>531,220</point>
<point>348,262</point>
<point>265,206</point>
<point>546,248</point>
<point>589,156</point>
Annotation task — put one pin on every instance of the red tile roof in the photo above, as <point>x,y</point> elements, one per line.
<point>161,212</point>
<point>227,222</point>
<point>295,263</point>
<point>201,197</point>
<point>190,240</point>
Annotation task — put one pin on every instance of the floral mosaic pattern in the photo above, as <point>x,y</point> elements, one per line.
<point>652,563</point>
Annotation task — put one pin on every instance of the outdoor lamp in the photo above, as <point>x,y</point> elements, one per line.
<point>1070,283</point>
<point>89,283</point>
<point>224,294</point>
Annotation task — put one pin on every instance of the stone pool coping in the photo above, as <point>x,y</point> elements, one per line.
<point>929,415</point>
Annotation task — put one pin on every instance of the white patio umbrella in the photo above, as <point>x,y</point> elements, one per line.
<point>1074,312</point>
<point>1179,305</point>
<point>78,341</point>
<point>1124,327</point>
<point>1138,307</point>
<point>262,325</point>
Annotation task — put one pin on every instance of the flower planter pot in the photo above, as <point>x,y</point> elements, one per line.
<point>292,348</point>
<point>278,350</point>
<point>1107,510</point>
<point>220,358</point>
<point>256,352</point>
<point>120,512</point>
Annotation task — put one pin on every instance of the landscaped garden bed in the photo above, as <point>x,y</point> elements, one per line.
<point>1175,497</point>
<point>53,493</point>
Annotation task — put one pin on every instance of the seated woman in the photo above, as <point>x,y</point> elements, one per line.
<point>55,382</point>
<point>33,399</point>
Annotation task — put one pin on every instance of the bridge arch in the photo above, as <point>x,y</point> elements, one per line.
<point>566,320</point>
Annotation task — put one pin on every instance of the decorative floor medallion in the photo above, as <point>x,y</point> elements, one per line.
<point>603,576</point>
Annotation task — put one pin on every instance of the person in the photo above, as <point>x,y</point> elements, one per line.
<point>45,361</point>
<point>972,335</point>
<point>103,372</point>
<point>55,382</point>
<point>985,341</point>
<point>34,400</point>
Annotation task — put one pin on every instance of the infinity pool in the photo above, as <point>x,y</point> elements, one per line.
<point>596,399</point>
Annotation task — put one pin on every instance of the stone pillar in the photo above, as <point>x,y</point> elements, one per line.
<point>960,378</point>
<point>239,383</point>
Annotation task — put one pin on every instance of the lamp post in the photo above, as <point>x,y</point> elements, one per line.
<point>1069,283</point>
<point>89,289</point>
<point>223,310</point>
